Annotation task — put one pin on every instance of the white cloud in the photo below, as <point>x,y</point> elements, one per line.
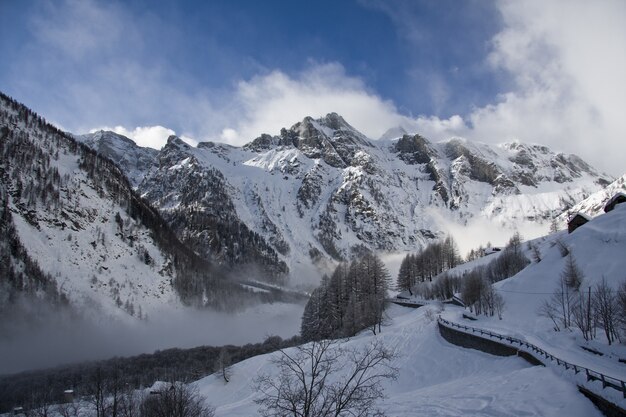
<point>267,103</point>
<point>147,136</point>
<point>568,60</point>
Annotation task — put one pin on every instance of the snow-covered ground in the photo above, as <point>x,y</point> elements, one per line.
<point>435,378</point>
<point>439,379</point>
<point>598,248</point>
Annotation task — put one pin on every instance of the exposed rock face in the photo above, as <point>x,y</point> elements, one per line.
<point>320,188</point>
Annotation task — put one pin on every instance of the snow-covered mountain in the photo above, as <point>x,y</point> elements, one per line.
<point>322,190</point>
<point>135,161</point>
<point>74,231</point>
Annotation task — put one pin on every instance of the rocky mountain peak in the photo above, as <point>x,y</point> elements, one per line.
<point>414,149</point>
<point>134,160</point>
<point>175,141</point>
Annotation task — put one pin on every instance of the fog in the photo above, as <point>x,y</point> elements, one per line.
<point>480,231</point>
<point>61,340</point>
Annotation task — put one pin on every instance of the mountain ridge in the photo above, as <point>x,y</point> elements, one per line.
<point>321,190</point>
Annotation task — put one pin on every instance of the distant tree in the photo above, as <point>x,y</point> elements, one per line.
<point>323,379</point>
<point>536,253</point>
<point>73,409</point>
<point>572,275</point>
<point>222,364</point>
<point>563,248</point>
<point>351,300</point>
<point>405,282</point>
<point>554,226</point>
<point>423,266</point>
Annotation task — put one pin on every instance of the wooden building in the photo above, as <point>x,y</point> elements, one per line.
<point>576,221</point>
<point>615,200</point>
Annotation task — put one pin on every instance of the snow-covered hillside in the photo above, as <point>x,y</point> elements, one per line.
<point>322,190</point>
<point>435,378</point>
<point>74,220</point>
<point>598,249</point>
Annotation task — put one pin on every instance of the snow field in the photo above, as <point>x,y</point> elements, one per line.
<point>435,378</point>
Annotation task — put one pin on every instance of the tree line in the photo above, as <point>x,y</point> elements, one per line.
<point>350,300</point>
<point>42,388</point>
<point>423,266</point>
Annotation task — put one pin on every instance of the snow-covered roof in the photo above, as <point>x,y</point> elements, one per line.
<point>580,214</point>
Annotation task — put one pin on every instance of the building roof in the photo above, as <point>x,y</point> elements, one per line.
<point>580,214</point>
<point>615,197</point>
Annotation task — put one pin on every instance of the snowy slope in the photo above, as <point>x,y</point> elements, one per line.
<point>435,378</point>
<point>598,248</point>
<point>73,222</point>
<point>75,217</point>
<point>321,190</point>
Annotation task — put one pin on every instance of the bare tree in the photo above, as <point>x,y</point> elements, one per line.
<point>175,400</point>
<point>222,364</point>
<point>130,403</point>
<point>621,306</point>
<point>71,409</point>
<point>582,314</point>
<point>549,309</point>
<point>605,305</point>
<point>97,387</point>
<point>559,307</point>
<point>498,302</point>
<point>323,379</point>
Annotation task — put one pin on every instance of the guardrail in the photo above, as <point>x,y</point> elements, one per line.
<point>607,381</point>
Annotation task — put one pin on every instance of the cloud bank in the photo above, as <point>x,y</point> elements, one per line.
<point>565,61</point>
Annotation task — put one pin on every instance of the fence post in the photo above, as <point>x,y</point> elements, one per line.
<point>588,376</point>
<point>603,381</point>
<point>623,388</point>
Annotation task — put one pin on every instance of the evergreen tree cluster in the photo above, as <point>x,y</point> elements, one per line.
<point>436,258</point>
<point>477,291</point>
<point>350,300</point>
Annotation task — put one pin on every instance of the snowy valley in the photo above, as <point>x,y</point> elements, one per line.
<point>206,240</point>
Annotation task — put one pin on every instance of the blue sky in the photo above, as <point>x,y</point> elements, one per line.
<point>546,72</point>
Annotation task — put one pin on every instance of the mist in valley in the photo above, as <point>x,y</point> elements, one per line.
<point>63,338</point>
